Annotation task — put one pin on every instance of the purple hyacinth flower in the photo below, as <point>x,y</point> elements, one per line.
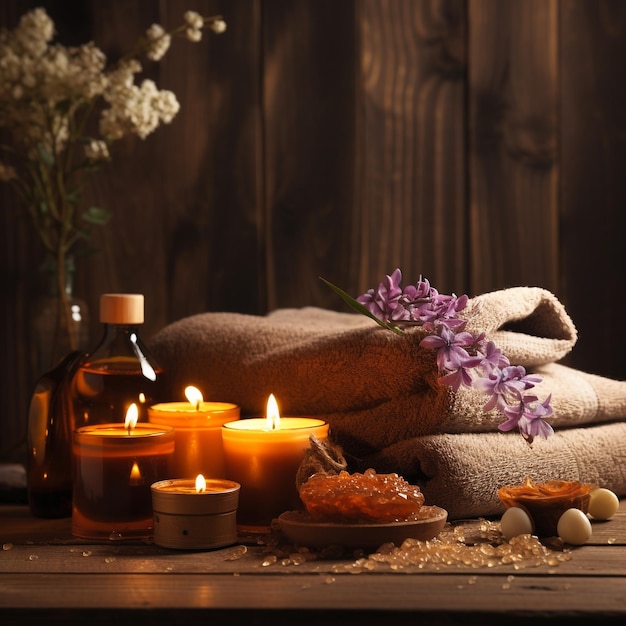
<point>383,302</point>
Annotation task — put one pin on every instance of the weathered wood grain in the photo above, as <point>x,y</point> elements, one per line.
<point>513,158</point>
<point>149,559</point>
<point>478,143</point>
<point>410,210</point>
<point>593,185</point>
<point>308,105</point>
<point>137,583</point>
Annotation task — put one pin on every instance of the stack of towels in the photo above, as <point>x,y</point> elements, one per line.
<point>380,393</point>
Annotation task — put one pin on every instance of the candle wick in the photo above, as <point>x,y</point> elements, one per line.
<point>198,405</point>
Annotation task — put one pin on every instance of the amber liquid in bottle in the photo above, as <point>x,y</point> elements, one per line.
<point>98,388</point>
<point>103,389</point>
<point>119,371</point>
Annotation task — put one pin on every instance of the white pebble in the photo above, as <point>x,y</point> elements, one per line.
<point>515,521</point>
<point>574,527</point>
<point>603,504</point>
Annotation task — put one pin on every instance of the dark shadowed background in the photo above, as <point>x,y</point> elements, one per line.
<point>478,143</point>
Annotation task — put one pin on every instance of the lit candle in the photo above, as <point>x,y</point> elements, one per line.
<point>263,455</point>
<point>198,433</point>
<point>195,514</point>
<point>114,468</point>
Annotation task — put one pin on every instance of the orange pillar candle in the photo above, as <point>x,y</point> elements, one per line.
<point>198,433</point>
<point>263,455</point>
<point>114,468</point>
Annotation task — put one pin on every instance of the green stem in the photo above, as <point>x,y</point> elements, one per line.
<point>359,308</point>
<point>64,315</point>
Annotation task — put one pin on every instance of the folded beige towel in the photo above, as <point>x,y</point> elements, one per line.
<point>380,394</point>
<point>374,387</point>
<point>462,473</point>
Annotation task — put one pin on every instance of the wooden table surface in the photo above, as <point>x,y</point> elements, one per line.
<point>48,575</point>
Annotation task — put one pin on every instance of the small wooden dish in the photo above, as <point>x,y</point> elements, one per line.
<point>299,528</point>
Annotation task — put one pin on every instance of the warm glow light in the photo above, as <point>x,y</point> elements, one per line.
<point>272,415</point>
<point>135,474</point>
<point>200,483</point>
<point>194,396</point>
<point>132,415</point>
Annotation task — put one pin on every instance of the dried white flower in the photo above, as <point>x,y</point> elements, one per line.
<point>48,93</point>
<point>167,106</point>
<point>155,32</point>
<point>195,20</point>
<point>137,110</point>
<point>193,34</point>
<point>97,150</point>
<point>124,74</point>
<point>33,33</point>
<point>159,42</point>
<point>218,26</point>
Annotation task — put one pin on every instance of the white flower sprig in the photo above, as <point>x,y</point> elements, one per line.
<point>49,91</point>
<point>63,107</point>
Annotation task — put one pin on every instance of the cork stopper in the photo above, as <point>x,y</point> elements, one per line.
<point>121,308</point>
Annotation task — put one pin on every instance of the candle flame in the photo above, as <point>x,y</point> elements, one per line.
<point>135,474</point>
<point>200,483</point>
<point>272,415</point>
<point>194,396</point>
<point>132,415</point>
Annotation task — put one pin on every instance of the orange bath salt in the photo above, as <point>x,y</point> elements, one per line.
<point>367,497</point>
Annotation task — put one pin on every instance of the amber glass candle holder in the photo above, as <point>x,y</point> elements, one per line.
<point>114,469</point>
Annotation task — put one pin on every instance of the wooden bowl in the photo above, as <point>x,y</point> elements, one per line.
<point>299,528</point>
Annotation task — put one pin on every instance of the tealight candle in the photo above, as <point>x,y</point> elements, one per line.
<point>198,433</point>
<point>114,468</point>
<point>263,455</point>
<point>195,515</point>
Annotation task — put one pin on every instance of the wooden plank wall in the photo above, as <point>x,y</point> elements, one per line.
<point>513,152</point>
<point>480,143</point>
<point>593,184</point>
<point>411,210</point>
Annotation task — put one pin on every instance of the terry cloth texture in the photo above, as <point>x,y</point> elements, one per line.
<point>529,324</point>
<point>462,473</point>
<point>379,391</point>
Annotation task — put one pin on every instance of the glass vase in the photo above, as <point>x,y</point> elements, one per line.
<point>57,333</point>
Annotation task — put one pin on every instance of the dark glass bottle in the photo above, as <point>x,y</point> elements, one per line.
<point>119,371</point>
<point>50,427</point>
<point>93,388</point>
